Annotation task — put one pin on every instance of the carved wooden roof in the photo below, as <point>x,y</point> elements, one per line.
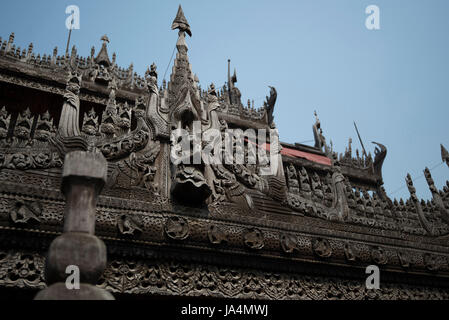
<point>323,211</point>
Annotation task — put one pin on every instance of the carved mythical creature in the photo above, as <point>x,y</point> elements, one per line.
<point>269,105</point>
<point>22,130</point>
<point>44,128</point>
<point>137,170</point>
<point>192,183</point>
<point>26,212</point>
<point>234,191</point>
<point>254,239</point>
<point>128,225</point>
<point>380,154</point>
<point>322,248</point>
<point>90,123</point>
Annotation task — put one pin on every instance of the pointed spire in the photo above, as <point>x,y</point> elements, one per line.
<point>182,74</point>
<point>103,56</point>
<point>10,42</point>
<point>181,23</point>
<point>229,76</point>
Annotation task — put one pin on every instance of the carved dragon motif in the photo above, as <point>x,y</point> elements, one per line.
<point>380,155</point>
<point>269,105</point>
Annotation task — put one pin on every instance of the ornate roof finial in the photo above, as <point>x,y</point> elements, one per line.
<point>105,39</point>
<point>181,23</point>
<point>317,120</point>
<point>153,70</point>
<point>103,56</point>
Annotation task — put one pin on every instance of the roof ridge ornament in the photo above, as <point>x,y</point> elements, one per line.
<point>181,22</point>
<point>103,56</point>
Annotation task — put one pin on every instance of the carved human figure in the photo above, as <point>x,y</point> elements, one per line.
<point>153,90</point>
<point>360,203</point>
<point>327,190</point>
<point>293,184</point>
<point>369,208</point>
<point>340,204</point>
<point>5,118</point>
<point>317,187</point>
<point>305,184</point>
<point>69,122</point>
<point>351,196</point>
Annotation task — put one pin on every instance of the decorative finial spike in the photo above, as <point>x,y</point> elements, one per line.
<point>105,39</point>
<point>181,23</point>
<point>444,155</point>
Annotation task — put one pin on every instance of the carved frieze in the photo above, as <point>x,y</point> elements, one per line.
<point>30,160</point>
<point>149,277</point>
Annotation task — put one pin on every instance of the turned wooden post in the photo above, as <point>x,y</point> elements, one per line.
<point>84,176</point>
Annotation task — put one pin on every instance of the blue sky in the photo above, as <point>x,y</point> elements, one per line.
<point>393,82</point>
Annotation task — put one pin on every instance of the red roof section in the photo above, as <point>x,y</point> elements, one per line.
<point>301,154</point>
